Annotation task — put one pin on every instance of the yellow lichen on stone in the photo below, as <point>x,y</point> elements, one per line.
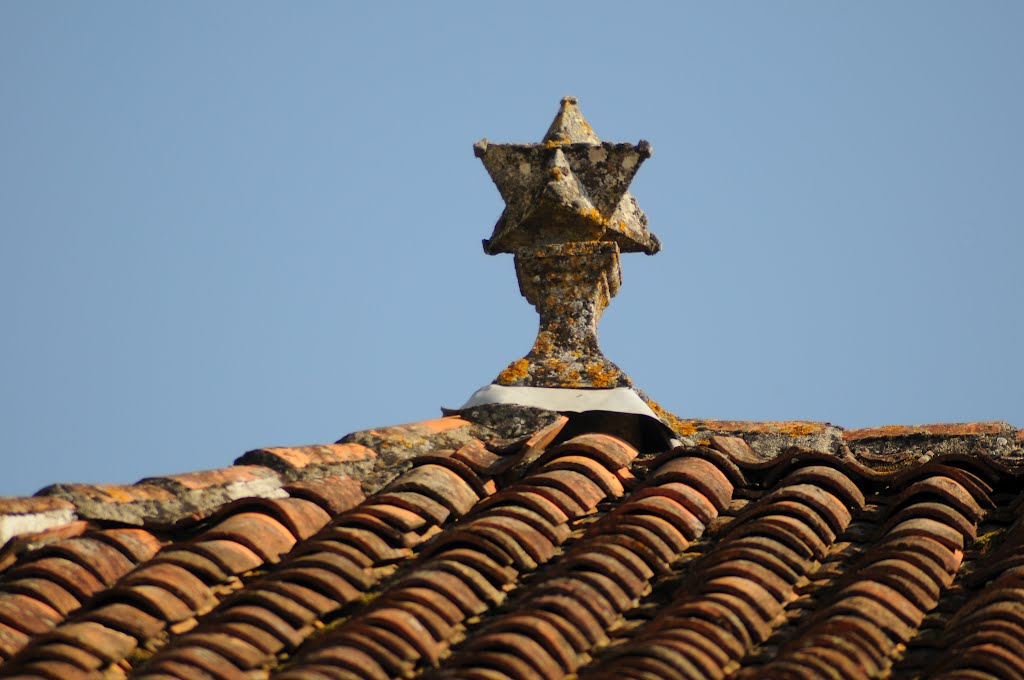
<point>593,214</point>
<point>517,370</point>
<point>797,429</point>
<point>544,344</point>
<point>678,425</point>
<point>602,376</point>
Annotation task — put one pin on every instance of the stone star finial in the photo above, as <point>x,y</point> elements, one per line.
<point>568,215</point>
<point>570,187</point>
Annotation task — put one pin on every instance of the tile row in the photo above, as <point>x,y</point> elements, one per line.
<point>138,604</point>
<point>738,591</point>
<point>167,502</point>
<point>469,569</point>
<point>985,638</point>
<point>880,602</point>
<point>556,625</point>
<point>333,569</point>
<point>53,581</point>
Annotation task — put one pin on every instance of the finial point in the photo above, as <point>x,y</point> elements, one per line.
<point>569,126</point>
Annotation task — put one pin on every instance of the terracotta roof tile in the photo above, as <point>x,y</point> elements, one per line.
<point>442,549</point>
<point>257,531</point>
<point>487,538</point>
<point>128,618</point>
<point>333,493</point>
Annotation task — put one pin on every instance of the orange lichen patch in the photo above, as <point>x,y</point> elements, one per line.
<point>800,429</point>
<point>691,426</point>
<point>594,215</point>
<point>561,372</point>
<point>678,425</point>
<point>517,370</point>
<point>939,430</point>
<point>602,375</point>
<point>544,344</point>
<point>792,428</point>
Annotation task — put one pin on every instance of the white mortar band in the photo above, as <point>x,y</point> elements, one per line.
<point>616,399</point>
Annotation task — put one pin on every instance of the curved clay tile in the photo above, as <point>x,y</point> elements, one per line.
<point>336,566</point>
<point>534,557</point>
<point>738,589</point>
<point>473,554</point>
<point>895,583</point>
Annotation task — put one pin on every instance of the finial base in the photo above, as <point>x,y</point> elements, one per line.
<point>569,284</point>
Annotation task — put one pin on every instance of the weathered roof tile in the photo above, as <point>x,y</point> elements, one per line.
<point>799,560</point>
<point>287,459</point>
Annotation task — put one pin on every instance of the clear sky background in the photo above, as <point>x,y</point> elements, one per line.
<point>233,225</point>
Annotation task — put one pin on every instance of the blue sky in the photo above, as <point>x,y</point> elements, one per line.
<point>233,225</point>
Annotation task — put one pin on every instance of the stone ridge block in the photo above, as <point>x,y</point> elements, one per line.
<point>310,462</point>
<point>396,446</point>
<point>938,430</point>
<point>211,488</point>
<point>107,493</point>
<point>766,439</point>
<point>372,458</point>
<point>235,475</point>
<point>165,501</point>
<point>895,443</point>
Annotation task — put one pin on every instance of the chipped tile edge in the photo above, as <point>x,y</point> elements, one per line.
<point>19,524</point>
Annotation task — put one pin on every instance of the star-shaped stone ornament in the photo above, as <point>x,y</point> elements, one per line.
<point>571,187</point>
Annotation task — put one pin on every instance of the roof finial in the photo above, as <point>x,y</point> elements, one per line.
<point>568,215</point>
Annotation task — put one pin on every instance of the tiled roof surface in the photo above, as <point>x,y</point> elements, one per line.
<point>533,545</point>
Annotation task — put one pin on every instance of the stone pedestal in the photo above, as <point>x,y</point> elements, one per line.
<point>569,284</point>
